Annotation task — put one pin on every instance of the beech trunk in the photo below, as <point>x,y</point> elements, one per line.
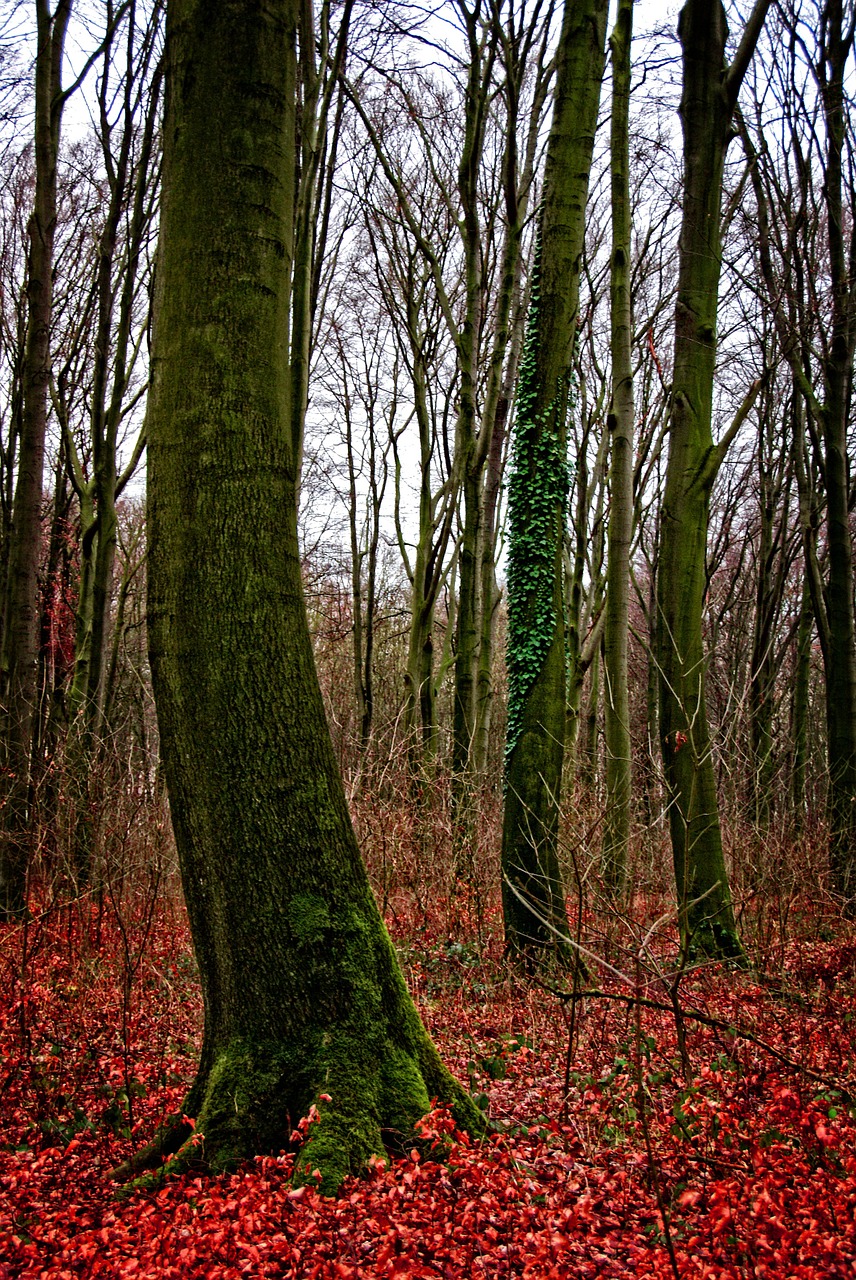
<point>707,107</point>
<point>303,995</point>
<point>533,893</point>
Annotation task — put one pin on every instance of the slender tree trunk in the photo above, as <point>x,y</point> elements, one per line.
<point>832,600</point>
<point>469,456</point>
<point>420,704</point>
<point>774,496</point>
<point>707,107</point>
<point>616,829</point>
<point>838,372</point>
<point>761,666</point>
<point>799,707</point>
<point>533,894</point>
<point>489,592</point>
<point>588,752</point>
<point>652,709</point>
<point>126,225</point>
<point>304,999</point>
<point>18,661</point>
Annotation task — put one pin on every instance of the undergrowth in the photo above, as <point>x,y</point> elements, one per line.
<point>611,1155</point>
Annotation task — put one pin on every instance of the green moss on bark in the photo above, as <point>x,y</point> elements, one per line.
<point>302,990</point>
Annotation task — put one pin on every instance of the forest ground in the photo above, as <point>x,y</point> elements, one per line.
<point>612,1155</point>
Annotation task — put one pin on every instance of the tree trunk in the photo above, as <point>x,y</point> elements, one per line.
<point>303,995</point>
<point>18,662</point>
<point>533,894</point>
<point>588,750</point>
<point>707,106</point>
<point>838,372</point>
<point>832,601</point>
<point>799,708</point>
<point>616,703</point>
<point>775,468</point>
<point>490,594</point>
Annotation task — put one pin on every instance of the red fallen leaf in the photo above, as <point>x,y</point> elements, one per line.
<point>827,1136</point>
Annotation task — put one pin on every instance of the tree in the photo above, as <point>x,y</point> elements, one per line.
<point>407,286</point>
<point>616,833</point>
<point>18,666</point>
<point>127,143</point>
<point>117,298</point>
<point>304,999</point>
<point>464,207</point>
<point>803,283</point>
<point>710,89</point>
<point>533,896</point>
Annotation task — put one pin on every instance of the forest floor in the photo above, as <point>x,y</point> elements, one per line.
<point>613,1155</point>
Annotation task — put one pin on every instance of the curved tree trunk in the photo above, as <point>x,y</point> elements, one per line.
<point>302,991</point>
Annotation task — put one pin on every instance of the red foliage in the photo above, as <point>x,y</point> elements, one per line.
<point>755,1163</point>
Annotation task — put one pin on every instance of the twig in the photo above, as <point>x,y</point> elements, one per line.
<point>847,1090</point>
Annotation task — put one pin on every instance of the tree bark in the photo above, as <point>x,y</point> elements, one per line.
<point>838,373</point>
<point>616,702</point>
<point>707,107</point>
<point>303,994</point>
<point>533,894</point>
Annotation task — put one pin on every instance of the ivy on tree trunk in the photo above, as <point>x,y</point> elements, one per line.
<point>533,894</point>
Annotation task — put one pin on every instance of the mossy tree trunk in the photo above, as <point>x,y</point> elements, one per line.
<point>18,659</point>
<point>708,100</point>
<point>616,702</point>
<point>533,894</point>
<point>303,995</point>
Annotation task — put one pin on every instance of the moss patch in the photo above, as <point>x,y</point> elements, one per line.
<point>308,918</point>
